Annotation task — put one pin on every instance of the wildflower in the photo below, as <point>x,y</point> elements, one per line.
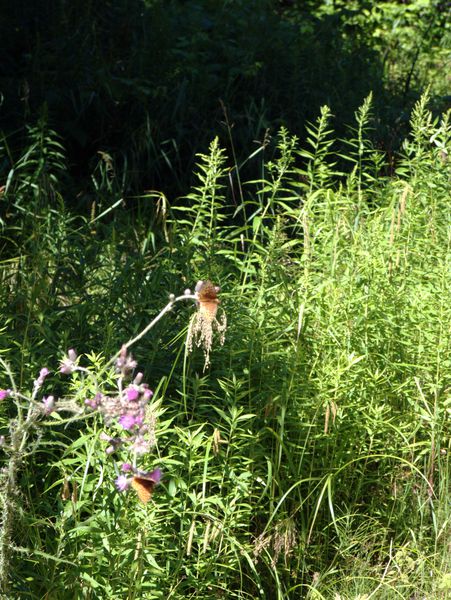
<point>95,402</point>
<point>48,405</point>
<point>123,483</point>
<point>4,394</point>
<point>138,379</point>
<point>126,467</point>
<point>110,407</point>
<point>42,375</point>
<point>125,363</point>
<point>147,393</point>
<point>200,331</point>
<point>141,445</point>
<point>129,410</point>
<point>115,443</point>
<point>128,421</point>
<point>150,420</point>
<point>68,364</point>
<point>132,393</point>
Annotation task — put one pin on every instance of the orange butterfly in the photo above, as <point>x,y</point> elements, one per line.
<point>144,484</point>
<point>207,295</point>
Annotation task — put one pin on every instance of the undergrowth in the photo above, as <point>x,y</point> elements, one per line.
<point>311,458</point>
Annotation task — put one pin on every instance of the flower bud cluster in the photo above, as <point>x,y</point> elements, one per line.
<point>129,409</point>
<point>39,382</point>
<point>69,363</point>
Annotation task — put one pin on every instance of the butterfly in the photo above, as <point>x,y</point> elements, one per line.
<point>207,295</point>
<point>143,483</point>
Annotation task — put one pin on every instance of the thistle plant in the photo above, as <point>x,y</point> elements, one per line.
<point>129,419</point>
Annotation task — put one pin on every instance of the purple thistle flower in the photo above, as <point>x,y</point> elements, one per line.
<point>48,405</point>
<point>126,467</point>
<point>132,393</point>
<point>147,394</point>
<point>123,483</point>
<point>125,363</point>
<point>138,378</point>
<point>67,365</point>
<point>114,442</point>
<point>42,375</point>
<point>95,402</point>
<point>127,421</point>
<point>4,394</point>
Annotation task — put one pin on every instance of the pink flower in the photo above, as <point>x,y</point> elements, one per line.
<point>147,394</point>
<point>114,442</point>
<point>125,363</point>
<point>132,393</point>
<point>127,421</point>
<point>48,405</point>
<point>138,378</point>
<point>67,365</point>
<point>95,402</point>
<point>123,483</point>
<point>4,394</point>
<point>42,375</point>
<point>126,467</point>
<point>140,445</point>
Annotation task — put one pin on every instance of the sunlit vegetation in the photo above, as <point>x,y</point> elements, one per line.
<point>299,416</point>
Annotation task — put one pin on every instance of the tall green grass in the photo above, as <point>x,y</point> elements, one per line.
<point>311,460</point>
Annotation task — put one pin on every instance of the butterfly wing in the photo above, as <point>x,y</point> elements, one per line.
<point>207,291</point>
<point>144,482</point>
<point>143,487</point>
<point>208,299</point>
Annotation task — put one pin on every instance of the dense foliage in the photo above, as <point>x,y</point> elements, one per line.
<point>150,83</point>
<point>307,454</point>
